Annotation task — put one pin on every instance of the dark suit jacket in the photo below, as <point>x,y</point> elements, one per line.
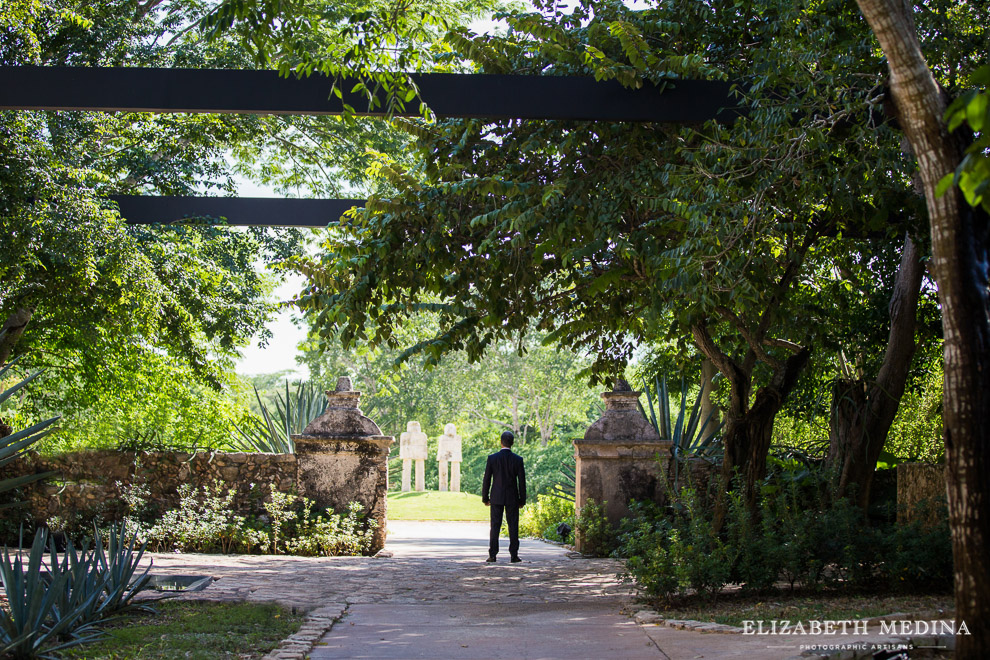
<point>505,479</point>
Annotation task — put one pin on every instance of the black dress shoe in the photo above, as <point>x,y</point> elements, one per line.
<point>515,560</point>
<point>490,560</point>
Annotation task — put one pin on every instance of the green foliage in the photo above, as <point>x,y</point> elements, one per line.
<point>689,435</point>
<point>31,621</point>
<point>206,522</point>
<point>365,48</point>
<point>540,519</point>
<point>916,434</point>
<point>272,433</point>
<point>263,433</point>
<point>53,607</point>
<point>800,534</point>
<point>603,233</point>
<point>530,389</point>
<point>13,445</point>
<point>295,411</point>
<point>645,538</point>
<point>594,531</point>
<point>203,522</point>
<point>973,174</point>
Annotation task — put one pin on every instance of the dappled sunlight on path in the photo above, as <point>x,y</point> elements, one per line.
<point>435,597</point>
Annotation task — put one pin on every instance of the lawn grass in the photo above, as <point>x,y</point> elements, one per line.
<point>434,505</point>
<point>197,630</point>
<point>733,609</point>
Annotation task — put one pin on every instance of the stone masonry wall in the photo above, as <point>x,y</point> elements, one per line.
<point>920,487</point>
<point>92,481</point>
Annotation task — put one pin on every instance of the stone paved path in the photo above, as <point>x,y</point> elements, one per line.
<point>436,598</point>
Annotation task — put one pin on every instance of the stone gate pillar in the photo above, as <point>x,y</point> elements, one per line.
<point>620,458</point>
<point>343,457</point>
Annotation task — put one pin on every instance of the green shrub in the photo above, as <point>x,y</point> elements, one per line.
<point>540,520</point>
<point>333,535</point>
<point>595,532</point>
<point>643,540</point>
<point>205,522</point>
<point>702,558</point>
<point>800,534</point>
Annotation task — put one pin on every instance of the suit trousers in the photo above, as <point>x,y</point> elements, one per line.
<point>512,519</point>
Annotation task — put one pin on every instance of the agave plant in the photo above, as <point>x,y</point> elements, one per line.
<point>293,413</point>
<point>83,590</point>
<point>565,489</point>
<point>37,621</point>
<point>57,606</point>
<point>119,561</point>
<point>263,434</point>
<point>16,444</point>
<point>688,434</point>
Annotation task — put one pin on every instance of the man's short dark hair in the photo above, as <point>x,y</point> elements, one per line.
<point>508,439</point>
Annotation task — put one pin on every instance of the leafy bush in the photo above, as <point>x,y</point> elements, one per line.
<point>595,532</point>
<point>540,520</point>
<point>644,541</point>
<point>205,522</point>
<point>336,535</point>
<point>801,534</point>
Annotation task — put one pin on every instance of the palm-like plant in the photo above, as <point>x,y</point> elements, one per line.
<point>52,607</point>
<point>688,433</point>
<point>16,444</point>
<point>293,413</point>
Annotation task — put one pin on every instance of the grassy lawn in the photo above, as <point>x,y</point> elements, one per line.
<point>433,505</point>
<point>194,630</point>
<point>733,609</point>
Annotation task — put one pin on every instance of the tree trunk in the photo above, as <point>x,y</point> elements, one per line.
<point>861,412</point>
<point>759,422</point>
<point>11,331</point>
<point>959,252</point>
<point>708,410</point>
<point>748,426</point>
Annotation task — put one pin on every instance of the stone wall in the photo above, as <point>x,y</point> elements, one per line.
<point>341,457</point>
<point>93,481</point>
<point>920,487</point>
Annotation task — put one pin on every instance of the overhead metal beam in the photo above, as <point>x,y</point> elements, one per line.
<point>237,211</point>
<point>232,91</point>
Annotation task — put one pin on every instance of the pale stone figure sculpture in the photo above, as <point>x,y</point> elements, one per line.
<point>449,449</point>
<point>412,448</point>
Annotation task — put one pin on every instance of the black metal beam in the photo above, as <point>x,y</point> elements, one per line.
<point>237,211</point>
<point>229,91</point>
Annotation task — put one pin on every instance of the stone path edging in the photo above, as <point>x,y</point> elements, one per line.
<point>318,622</point>
<point>649,617</point>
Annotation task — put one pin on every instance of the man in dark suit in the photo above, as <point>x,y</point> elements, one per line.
<point>505,482</point>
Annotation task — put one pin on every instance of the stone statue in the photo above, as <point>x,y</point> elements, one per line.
<point>449,449</point>
<point>412,447</point>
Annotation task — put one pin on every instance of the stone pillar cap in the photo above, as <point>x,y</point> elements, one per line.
<point>342,417</point>
<point>622,423</point>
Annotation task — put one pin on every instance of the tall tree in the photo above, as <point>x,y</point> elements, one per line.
<point>599,233</point>
<point>960,256</point>
<point>862,410</point>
